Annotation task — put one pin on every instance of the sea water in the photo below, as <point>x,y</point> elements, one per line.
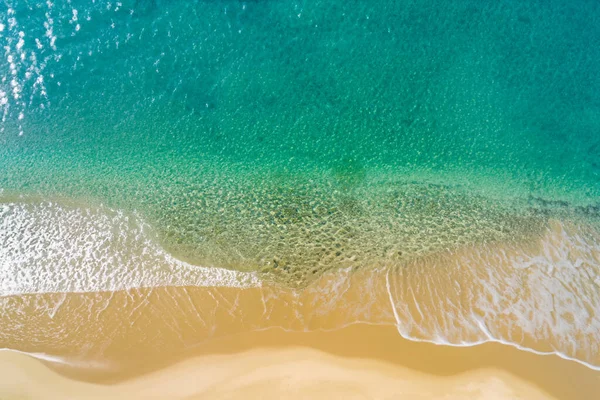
<point>440,161</point>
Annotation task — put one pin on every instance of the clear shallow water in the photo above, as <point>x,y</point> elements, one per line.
<point>541,297</point>
<point>144,143</point>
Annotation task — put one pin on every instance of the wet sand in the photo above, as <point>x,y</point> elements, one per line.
<point>281,342</point>
<point>359,361</point>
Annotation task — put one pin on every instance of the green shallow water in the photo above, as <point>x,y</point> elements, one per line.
<point>293,137</point>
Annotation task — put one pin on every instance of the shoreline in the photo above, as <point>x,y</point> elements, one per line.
<point>360,358</point>
<point>498,292</point>
<point>493,294</point>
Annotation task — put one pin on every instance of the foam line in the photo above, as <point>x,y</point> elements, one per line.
<point>50,248</point>
<point>60,360</point>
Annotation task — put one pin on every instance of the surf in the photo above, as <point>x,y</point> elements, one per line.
<point>67,268</point>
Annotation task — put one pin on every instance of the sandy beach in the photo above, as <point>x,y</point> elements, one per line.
<point>360,361</point>
<point>272,342</point>
<point>267,341</point>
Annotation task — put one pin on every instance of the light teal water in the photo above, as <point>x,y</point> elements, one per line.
<point>291,128</point>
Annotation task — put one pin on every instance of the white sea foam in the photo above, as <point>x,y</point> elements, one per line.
<point>49,248</point>
<point>541,297</point>
<point>61,360</point>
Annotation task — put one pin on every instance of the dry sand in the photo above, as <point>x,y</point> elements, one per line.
<point>266,374</point>
<point>360,361</point>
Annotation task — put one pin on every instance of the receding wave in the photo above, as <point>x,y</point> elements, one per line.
<point>49,247</point>
<point>542,296</point>
<point>60,299</point>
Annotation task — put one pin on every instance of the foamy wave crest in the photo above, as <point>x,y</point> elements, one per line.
<point>48,247</point>
<point>543,296</point>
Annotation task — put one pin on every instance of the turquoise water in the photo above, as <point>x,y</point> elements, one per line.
<point>216,119</point>
<point>439,144</point>
<point>507,87</point>
<point>272,126</point>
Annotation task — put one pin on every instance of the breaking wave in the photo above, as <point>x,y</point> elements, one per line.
<point>59,298</point>
<point>48,247</point>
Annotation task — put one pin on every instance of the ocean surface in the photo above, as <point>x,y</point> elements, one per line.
<point>238,165</point>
